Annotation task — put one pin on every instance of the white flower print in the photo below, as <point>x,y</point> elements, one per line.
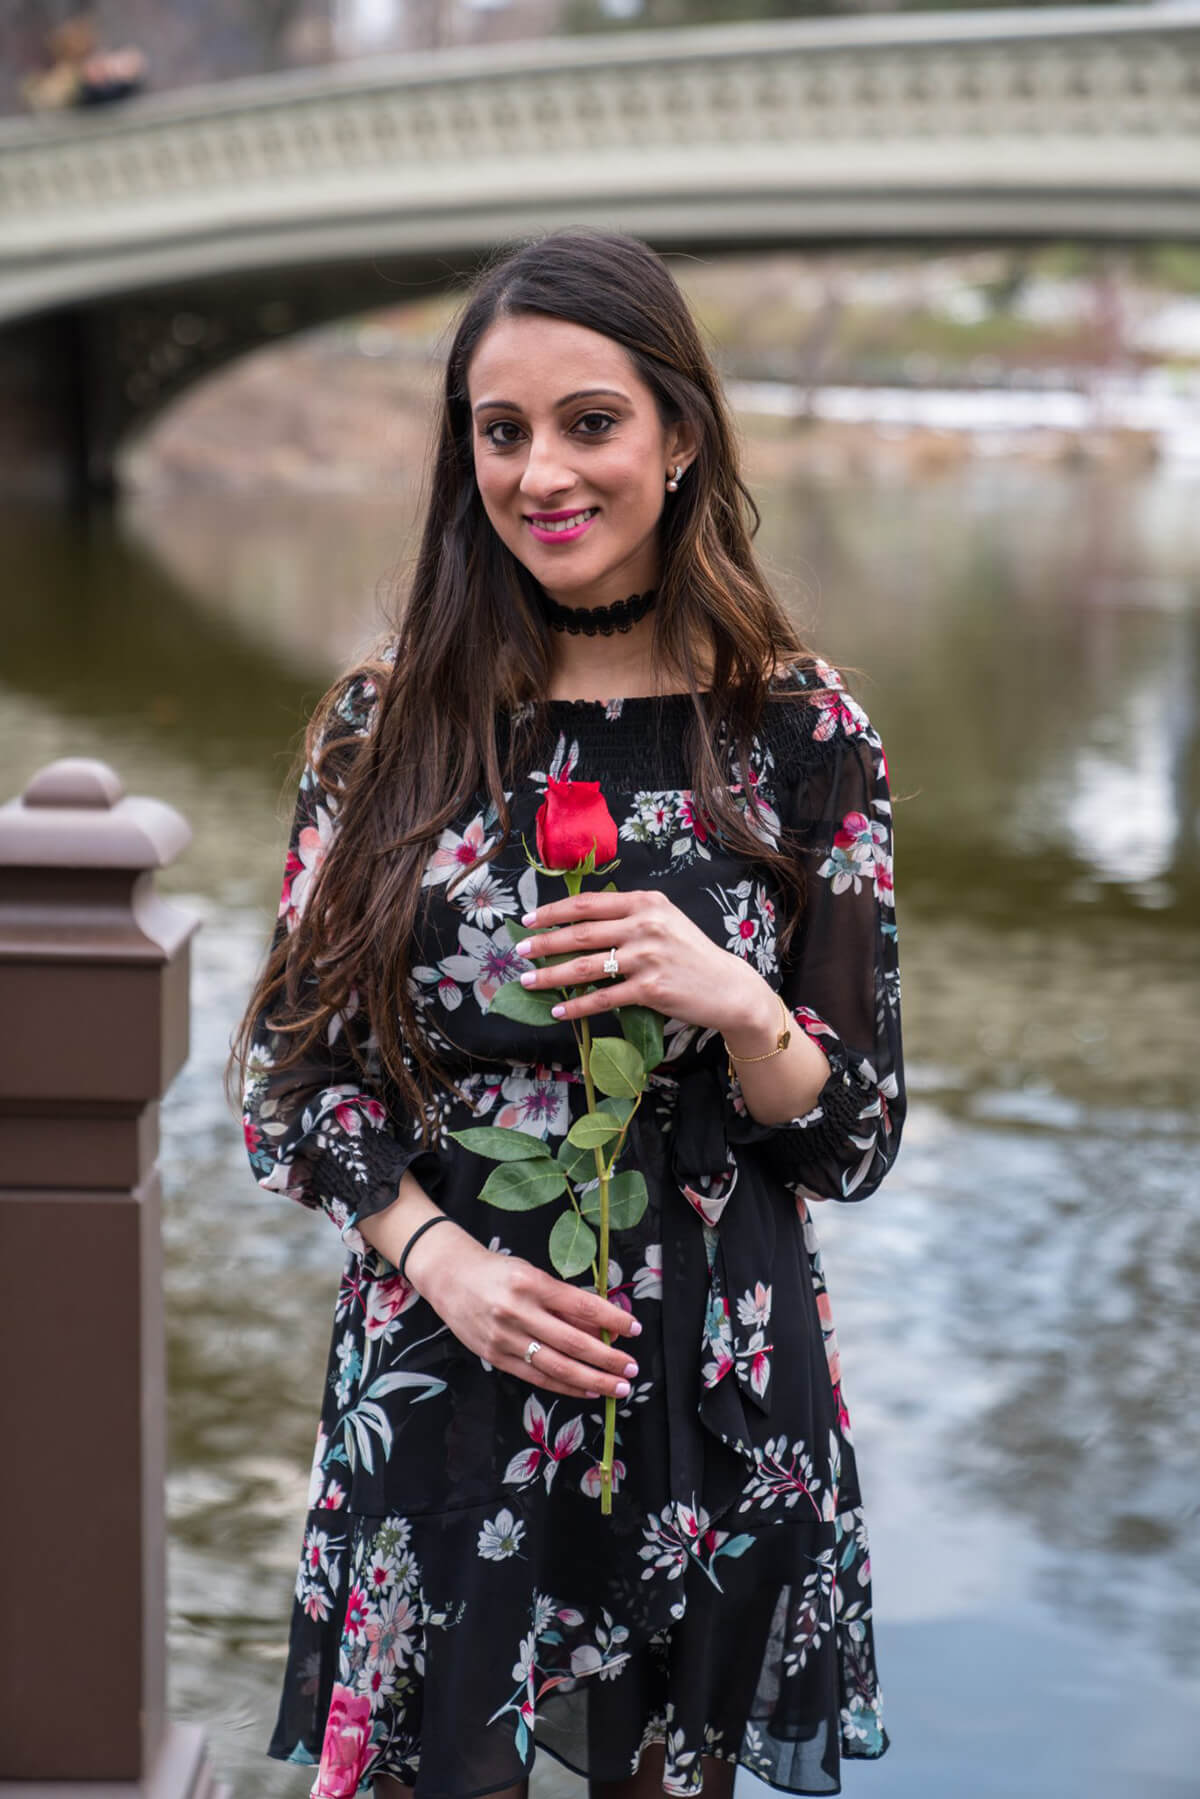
<point>783,1474</point>
<point>654,815</point>
<point>500,1536</point>
<point>486,961</point>
<point>648,1280</point>
<point>748,915</point>
<point>541,1107</point>
<point>814,1613</point>
<point>522,1666</point>
<point>755,1308</point>
<point>859,844</point>
<point>316,1471</point>
<point>484,899</point>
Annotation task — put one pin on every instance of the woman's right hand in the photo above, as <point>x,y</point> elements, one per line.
<point>495,1303</point>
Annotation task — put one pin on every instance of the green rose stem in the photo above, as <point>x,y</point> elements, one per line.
<point>574,880</point>
<point>529,1174</point>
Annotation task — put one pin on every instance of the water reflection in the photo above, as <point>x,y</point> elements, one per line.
<point>1015,1305</point>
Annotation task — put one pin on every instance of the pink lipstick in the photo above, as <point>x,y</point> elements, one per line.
<point>561,527</point>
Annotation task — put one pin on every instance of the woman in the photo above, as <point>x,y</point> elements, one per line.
<point>586,605</point>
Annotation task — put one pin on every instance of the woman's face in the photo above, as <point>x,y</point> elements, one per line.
<point>563,425</point>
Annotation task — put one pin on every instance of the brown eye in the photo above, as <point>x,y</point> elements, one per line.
<point>502,443</point>
<point>605,419</point>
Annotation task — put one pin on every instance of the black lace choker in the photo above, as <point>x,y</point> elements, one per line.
<point>605,619</point>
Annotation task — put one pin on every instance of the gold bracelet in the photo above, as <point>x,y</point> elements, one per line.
<point>785,1037</point>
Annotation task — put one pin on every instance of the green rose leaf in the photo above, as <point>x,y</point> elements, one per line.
<point>620,1109</point>
<point>520,1186</point>
<point>617,1067</point>
<point>627,1200</point>
<point>643,1027</point>
<point>514,1001</point>
<point>503,1145</point>
<point>577,1164</point>
<point>592,1129</point>
<point>572,1245</point>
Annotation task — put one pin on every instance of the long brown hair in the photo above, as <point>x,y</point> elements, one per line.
<point>432,742</point>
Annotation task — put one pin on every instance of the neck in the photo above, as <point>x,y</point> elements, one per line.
<point>600,667</point>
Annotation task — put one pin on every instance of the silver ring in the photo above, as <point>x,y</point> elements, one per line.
<point>611,965</point>
<point>532,1350</point>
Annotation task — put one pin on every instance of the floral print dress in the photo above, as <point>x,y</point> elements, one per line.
<point>459,1597</point>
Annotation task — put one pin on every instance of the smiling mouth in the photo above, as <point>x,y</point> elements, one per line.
<point>570,523</point>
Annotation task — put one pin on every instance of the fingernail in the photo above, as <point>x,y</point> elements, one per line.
<point>590,1395</point>
<point>631,1369</point>
<point>524,946</point>
<point>635,1329</point>
<point>529,977</point>
<point>557,1011</point>
<point>622,1388</point>
<point>528,917</point>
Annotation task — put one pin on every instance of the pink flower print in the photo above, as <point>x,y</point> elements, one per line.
<point>693,818</point>
<point>379,1574</point>
<point>535,1420</point>
<point>523,1467</point>
<point>454,852</point>
<point>760,1371</point>
<point>350,1113</point>
<point>303,866</point>
<point>316,1603</point>
<point>566,1442</point>
<point>386,1300</point>
<point>251,1133</point>
<point>590,1484</point>
<point>334,1497</point>
<point>390,1635</point>
<point>316,1551</point>
<point>346,1745</point>
<point>812,1023</point>
<point>835,716</point>
<point>356,1612</point>
<point>852,828</point>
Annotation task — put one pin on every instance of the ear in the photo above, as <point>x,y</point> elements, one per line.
<point>682,444</point>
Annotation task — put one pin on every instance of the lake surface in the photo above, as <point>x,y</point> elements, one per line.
<point>1016,1305</point>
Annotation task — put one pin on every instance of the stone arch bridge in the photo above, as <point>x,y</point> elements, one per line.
<point>142,247</point>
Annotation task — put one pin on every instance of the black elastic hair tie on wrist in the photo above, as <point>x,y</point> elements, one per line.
<point>436,1219</point>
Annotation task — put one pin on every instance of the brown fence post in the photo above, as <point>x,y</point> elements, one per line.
<point>94,968</point>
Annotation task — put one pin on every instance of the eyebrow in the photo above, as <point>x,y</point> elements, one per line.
<point>580,393</point>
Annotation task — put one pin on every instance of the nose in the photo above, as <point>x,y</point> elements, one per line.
<point>545,474</point>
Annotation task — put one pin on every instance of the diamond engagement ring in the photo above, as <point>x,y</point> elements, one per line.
<point>610,963</point>
<point>532,1350</point>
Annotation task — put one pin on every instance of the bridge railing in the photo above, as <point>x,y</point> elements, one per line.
<point>837,90</point>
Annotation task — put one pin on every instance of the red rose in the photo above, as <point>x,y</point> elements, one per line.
<point>570,819</point>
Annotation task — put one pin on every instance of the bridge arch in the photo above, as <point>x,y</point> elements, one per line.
<point>140,249</point>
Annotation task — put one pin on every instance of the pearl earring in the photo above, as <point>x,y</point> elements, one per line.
<point>673,482</point>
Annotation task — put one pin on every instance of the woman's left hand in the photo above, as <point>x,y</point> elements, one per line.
<point>666,962</point>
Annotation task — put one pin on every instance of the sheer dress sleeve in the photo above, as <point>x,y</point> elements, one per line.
<point>841,978</point>
<point>320,1133</point>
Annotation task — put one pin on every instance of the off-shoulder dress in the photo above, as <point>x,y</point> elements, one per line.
<point>460,1598</point>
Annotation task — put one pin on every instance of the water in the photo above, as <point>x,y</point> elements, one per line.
<point>1015,1306</point>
